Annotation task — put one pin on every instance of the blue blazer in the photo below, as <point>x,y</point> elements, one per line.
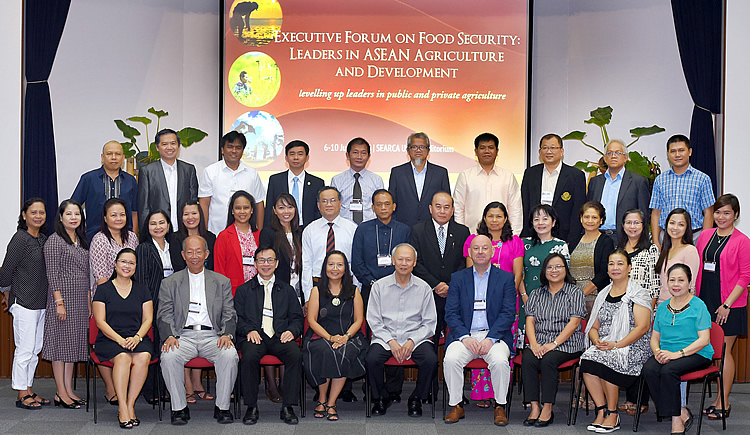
<point>501,305</point>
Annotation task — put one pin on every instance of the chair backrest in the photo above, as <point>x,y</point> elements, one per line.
<point>717,340</point>
<point>93,330</point>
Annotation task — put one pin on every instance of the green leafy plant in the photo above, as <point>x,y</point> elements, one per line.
<point>188,136</point>
<point>637,162</point>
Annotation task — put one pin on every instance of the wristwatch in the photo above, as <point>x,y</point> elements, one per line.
<point>348,335</point>
<point>231,337</point>
<point>725,306</point>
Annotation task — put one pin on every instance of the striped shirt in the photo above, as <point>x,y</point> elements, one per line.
<point>344,182</point>
<point>552,313</point>
<point>691,190</point>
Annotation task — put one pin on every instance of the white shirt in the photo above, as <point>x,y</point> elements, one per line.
<point>549,183</point>
<point>475,188</point>
<point>314,239</point>
<point>368,181</point>
<point>197,296</point>
<point>166,260</point>
<point>419,178</point>
<point>300,187</point>
<point>170,173</point>
<point>437,230</point>
<point>219,182</point>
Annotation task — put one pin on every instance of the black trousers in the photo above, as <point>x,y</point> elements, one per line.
<point>547,367</point>
<point>288,353</point>
<point>631,394</point>
<point>424,357</point>
<point>664,381</point>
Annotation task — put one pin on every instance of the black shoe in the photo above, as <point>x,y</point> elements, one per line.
<point>251,415</point>
<point>348,396</point>
<point>415,407</point>
<point>72,405</point>
<point>428,399</point>
<point>530,421</point>
<point>394,397</point>
<point>222,416</point>
<point>180,417</point>
<point>545,423</point>
<point>380,406</point>
<point>288,415</point>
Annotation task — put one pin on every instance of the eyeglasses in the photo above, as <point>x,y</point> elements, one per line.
<point>631,223</point>
<point>614,154</point>
<point>419,147</point>
<point>553,267</point>
<point>329,201</point>
<point>545,148</point>
<point>128,263</point>
<point>262,260</point>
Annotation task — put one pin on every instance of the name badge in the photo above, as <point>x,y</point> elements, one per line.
<point>267,312</point>
<point>384,260</point>
<point>168,272</point>
<point>248,261</point>
<point>194,307</point>
<point>547,198</point>
<point>709,266</point>
<point>480,305</point>
<point>356,205</point>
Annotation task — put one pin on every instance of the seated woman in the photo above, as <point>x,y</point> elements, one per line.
<point>619,336</point>
<point>334,348</point>
<point>123,311</point>
<point>553,318</point>
<point>681,344</point>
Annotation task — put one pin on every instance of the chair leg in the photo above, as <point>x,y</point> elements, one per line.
<point>157,381</point>
<point>637,418</point>
<point>88,396</point>
<point>445,396</point>
<point>75,375</point>
<point>723,405</point>
<point>703,400</point>
<point>572,394</point>
<point>581,387</point>
<point>302,402</point>
<point>513,374</point>
<point>434,392</point>
<point>94,389</point>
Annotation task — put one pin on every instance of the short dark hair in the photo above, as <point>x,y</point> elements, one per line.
<point>24,208</point>
<point>120,254</point>
<point>596,205</point>
<point>730,200</point>
<point>543,273</point>
<point>678,138</point>
<point>445,192</point>
<point>357,141</point>
<point>620,251</point>
<point>379,191</point>
<point>486,137</point>
<point>324,188</point>
<point>296,143</point>
<point>231,137</point>
<point>682,266</point>
<point>549,136</point>
<point>549,211</point>
<point>80,230</point>
<point>164,131</point>
<point>253,216</point>
<point>265,248</point>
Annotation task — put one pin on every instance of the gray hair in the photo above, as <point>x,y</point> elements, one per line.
<point>393,252</point>
<point>205,243</point>
<point>624,147</point>
<point>419,135</point>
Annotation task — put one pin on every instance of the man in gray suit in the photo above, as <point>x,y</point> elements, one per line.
<point>167,184</point>
<point>619,190</point>
<point>196,318</point>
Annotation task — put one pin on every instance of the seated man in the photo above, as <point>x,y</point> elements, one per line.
<point>196,318</point>
<point>401,314</point>
<point>268,325</point>
<point>480,310</point>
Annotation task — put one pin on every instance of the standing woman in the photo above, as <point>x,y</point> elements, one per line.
<point>722,284</point>
<point>235,246</point>
<point>677,248</point>
<point>105,245</point>
<point>589,255</point>
<point>66,256</point>
<point>25,273</point>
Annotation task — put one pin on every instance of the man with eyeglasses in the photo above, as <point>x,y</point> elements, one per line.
<point>619,190</point>
<point>268,325</point>
<point>357,184</point>
<point>415,182</point>
<point>554,183</point>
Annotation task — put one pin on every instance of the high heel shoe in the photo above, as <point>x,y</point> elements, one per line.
<point>72,405</point>
<point>124,424</point>
<point>81,402</point>
<point>113,400</point>
<point>135,422</point>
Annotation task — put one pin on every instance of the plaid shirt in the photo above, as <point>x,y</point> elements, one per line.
<point>692,190</point>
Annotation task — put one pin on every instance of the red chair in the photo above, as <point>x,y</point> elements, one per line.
<point>712,372</point>
<point>95,361</point>
<point>477,364</point>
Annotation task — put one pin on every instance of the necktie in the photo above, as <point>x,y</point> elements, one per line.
<point>357,195</point>
<point>441,239</point>
<point>331,240</point>
<point>267,324</point>
<point>295,192</point>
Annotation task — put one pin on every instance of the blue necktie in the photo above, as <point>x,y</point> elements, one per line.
<point>295,192</point>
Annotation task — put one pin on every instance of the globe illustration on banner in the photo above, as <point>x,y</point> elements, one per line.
<point>255,23</point>
<point>254,79</point>
<point>265,137</point>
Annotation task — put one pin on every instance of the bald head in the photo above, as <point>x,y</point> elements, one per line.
<point>112,156</point>
<point>481,251</point>
<point>195,253</point>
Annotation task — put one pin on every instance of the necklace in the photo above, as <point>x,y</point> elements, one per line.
<point>676,312</point>
<point>336,301</point>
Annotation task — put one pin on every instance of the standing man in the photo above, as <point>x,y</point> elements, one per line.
<point>221,179</point>
<point>402,317</point>
<point>357,184</point>
<point>681,186</point>
<point>329,232</point>
<point>415,182</point>
<point>269,319</point>
<point>109,181</point>
<point>554,183</point>
<point>196,318</point>
<point>302,185</point>
<point>619,190</point>
<point>167,184</point>
<point>486,182</point>
<point>480,311</point>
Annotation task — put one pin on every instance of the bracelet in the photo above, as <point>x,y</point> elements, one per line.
<point>348,335</point>
<point>615,346</point>
<point>556,343</point>
<point>58,300</point>
<point>60,304</point>
<point>523,294</point>
<point>140,339</point>
<point>682,352</point>
<point>725,306</point>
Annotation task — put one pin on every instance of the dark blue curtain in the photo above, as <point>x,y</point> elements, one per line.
<point>698,26</point>
<point>43,26</point>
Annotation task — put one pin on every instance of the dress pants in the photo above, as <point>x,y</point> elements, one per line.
<point>546,365</point>
<point>288,353</point>
<point>199,344</point>
<point>457,356</point>
<point>28,336</point>
<point>423,356</point>
<point>394,375</point>
<point>664,381</point>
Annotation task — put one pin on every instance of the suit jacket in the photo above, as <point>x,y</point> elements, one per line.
<point>287,311</point>
<point>570,195</point>
<point>153,193</point>
<point>278,183</point>
<point>410,208</point>
<point>174,298</point>
<point>635,192</point>
<point>284,268</point>
<point>228,256</point>
<point>501,305</point>
<point>431,266</point>
<point>150,270</point>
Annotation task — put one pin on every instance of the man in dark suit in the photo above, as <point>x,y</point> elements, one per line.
<point>269,319</point>
<point>415,182</point>
<point>196,318</point>
<point>619,190</point>
<point>480,311</point>
<point>166,184</point>
<point>554,183</point>
<point>308,185</point>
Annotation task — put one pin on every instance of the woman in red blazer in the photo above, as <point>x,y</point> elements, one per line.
<point>235,246</point>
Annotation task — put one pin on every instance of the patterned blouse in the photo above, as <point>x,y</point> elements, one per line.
<point>643,271</point>
<point>103,252</point>
<point>248,247</point>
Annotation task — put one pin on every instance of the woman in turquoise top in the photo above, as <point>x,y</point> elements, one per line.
<point>681,344</point>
